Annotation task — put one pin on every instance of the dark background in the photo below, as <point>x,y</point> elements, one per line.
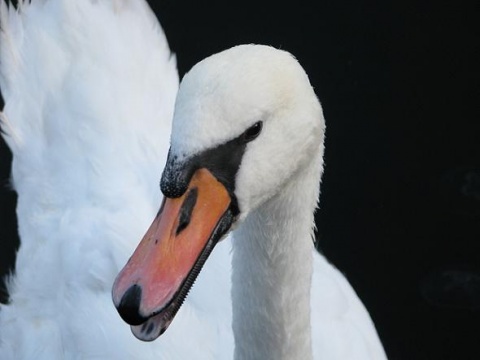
<point>400,202</point>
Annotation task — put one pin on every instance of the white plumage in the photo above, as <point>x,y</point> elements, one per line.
<point>89,88</point>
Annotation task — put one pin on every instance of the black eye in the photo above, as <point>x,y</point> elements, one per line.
<point>253,131</point>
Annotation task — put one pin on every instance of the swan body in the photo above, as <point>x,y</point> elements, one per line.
<point>89,89</point>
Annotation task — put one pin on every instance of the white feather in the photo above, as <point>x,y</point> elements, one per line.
<point>89,88</point>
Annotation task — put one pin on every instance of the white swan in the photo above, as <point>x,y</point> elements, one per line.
<point>246,150</point>
<point>89,88</point>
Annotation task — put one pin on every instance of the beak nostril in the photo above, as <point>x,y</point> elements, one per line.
<point>187,209</point>
<point>129,307</point>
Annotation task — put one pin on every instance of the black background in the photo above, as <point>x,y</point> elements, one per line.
<point>400,202</point>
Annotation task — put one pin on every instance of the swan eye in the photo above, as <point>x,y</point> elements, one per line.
<point>253,131</point>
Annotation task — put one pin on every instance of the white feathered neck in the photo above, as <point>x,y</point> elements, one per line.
<point>271,316</point>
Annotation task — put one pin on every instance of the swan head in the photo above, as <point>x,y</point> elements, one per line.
<point>246,121</point>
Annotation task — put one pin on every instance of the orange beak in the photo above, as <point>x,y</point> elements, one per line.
<point>152,286</point>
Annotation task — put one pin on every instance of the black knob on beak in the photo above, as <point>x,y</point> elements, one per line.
<point>129,307</point>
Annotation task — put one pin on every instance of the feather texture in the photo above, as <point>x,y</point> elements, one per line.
<point>89,88</point>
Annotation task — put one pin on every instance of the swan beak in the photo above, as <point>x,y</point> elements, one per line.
<point>152,286</point>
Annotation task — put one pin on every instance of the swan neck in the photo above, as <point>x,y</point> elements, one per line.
<point>272,270</point>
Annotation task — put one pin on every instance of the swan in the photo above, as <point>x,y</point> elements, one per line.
<point>89,89</point>
<point>247,153</point>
